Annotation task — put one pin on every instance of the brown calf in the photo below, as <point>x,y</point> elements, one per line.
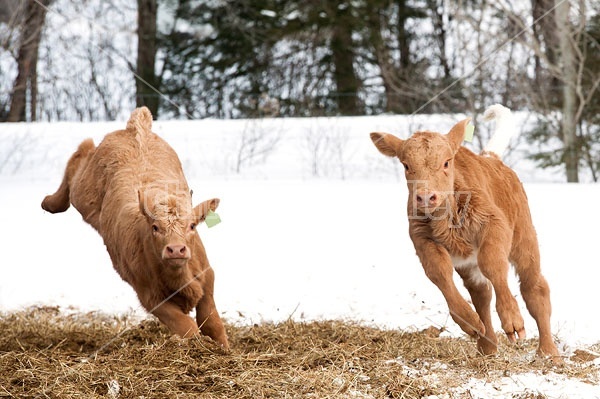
<point>469,213</point>
<point>132,190</point>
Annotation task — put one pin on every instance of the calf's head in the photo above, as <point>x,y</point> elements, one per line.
<point>171,224</point>
<point>428,160</point>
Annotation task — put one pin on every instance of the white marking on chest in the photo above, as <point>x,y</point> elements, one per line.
<point>469,267</point>
<point>461,263</point>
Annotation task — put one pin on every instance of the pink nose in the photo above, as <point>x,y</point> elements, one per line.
<point>175,251</point>
<point>427,199</point>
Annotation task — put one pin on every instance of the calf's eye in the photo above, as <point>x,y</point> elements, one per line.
<point>446,164</point>
<point>405,167</point>
<point>154,228</point>
<point>192,226</point>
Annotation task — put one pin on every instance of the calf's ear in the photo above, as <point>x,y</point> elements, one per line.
<point>146,202</point>
<point>456,135</point>
<point>202,209</point>
<point>143,203</point>
<point>387,144</point>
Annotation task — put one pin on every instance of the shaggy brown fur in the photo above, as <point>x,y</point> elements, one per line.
<point>469,213</point>
<point>132,190</point>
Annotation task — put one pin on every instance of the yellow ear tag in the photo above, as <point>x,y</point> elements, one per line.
<point>212,219</point>
<point>469,133</point>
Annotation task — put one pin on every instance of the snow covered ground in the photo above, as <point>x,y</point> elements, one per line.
<point>304,234</point>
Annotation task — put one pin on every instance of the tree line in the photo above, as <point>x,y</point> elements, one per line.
<point>257,58</point>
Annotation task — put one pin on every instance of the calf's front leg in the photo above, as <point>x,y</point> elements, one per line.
<point>480,290</point>
<point>174,318</point>
<point>438,267</point>
<point>207,315</point>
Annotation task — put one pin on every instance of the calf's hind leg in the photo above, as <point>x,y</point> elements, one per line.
<point>536,294</point>
<point>60,200</point>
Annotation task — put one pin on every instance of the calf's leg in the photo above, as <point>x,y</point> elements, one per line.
<point>536,293</point>
<point>438,267</point>
<point>493,263</point>
<point>174,318</point>
<point>60,201</point>
<point>207,315</point>
<point>480,290</point>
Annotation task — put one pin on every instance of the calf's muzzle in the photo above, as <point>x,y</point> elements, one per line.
<point>176,251</point>
<point>427,199</point>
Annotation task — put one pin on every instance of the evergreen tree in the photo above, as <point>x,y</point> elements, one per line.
<point>217,57</point>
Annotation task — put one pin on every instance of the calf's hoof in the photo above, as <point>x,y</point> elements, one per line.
<point>512,322</point>
<point>550,352</point>
<point>470,323</point>
<point>487,345</point>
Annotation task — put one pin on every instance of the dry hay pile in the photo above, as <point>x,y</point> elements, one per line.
<point>47,354</point>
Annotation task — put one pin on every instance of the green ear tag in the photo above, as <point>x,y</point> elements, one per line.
<point>212,219</point>
<point>469,132</point>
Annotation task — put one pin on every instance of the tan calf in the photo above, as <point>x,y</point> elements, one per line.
<point>469,213</point>
<point>132,190</point>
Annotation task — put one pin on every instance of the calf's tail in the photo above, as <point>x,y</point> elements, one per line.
<point>60,201</point>
<point>140,126</point>
<point>504,131</point>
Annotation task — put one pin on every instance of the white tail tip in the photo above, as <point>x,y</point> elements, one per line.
<point>495,111</point>
<point>504,131</point>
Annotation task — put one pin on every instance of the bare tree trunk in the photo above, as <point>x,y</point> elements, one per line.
<point>31,35</point>
<point>403,34</point>
<point>343,60</point>
<point>569,106</point>
<point>383,59</point>
<point>393,72</point>
<point>146,82</point>
<point>440,33</point>
<point>33,87</point>
<point>545,32</point>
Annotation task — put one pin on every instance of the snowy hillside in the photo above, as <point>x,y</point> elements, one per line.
<point>265,149</point>
<point>313,228</point>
